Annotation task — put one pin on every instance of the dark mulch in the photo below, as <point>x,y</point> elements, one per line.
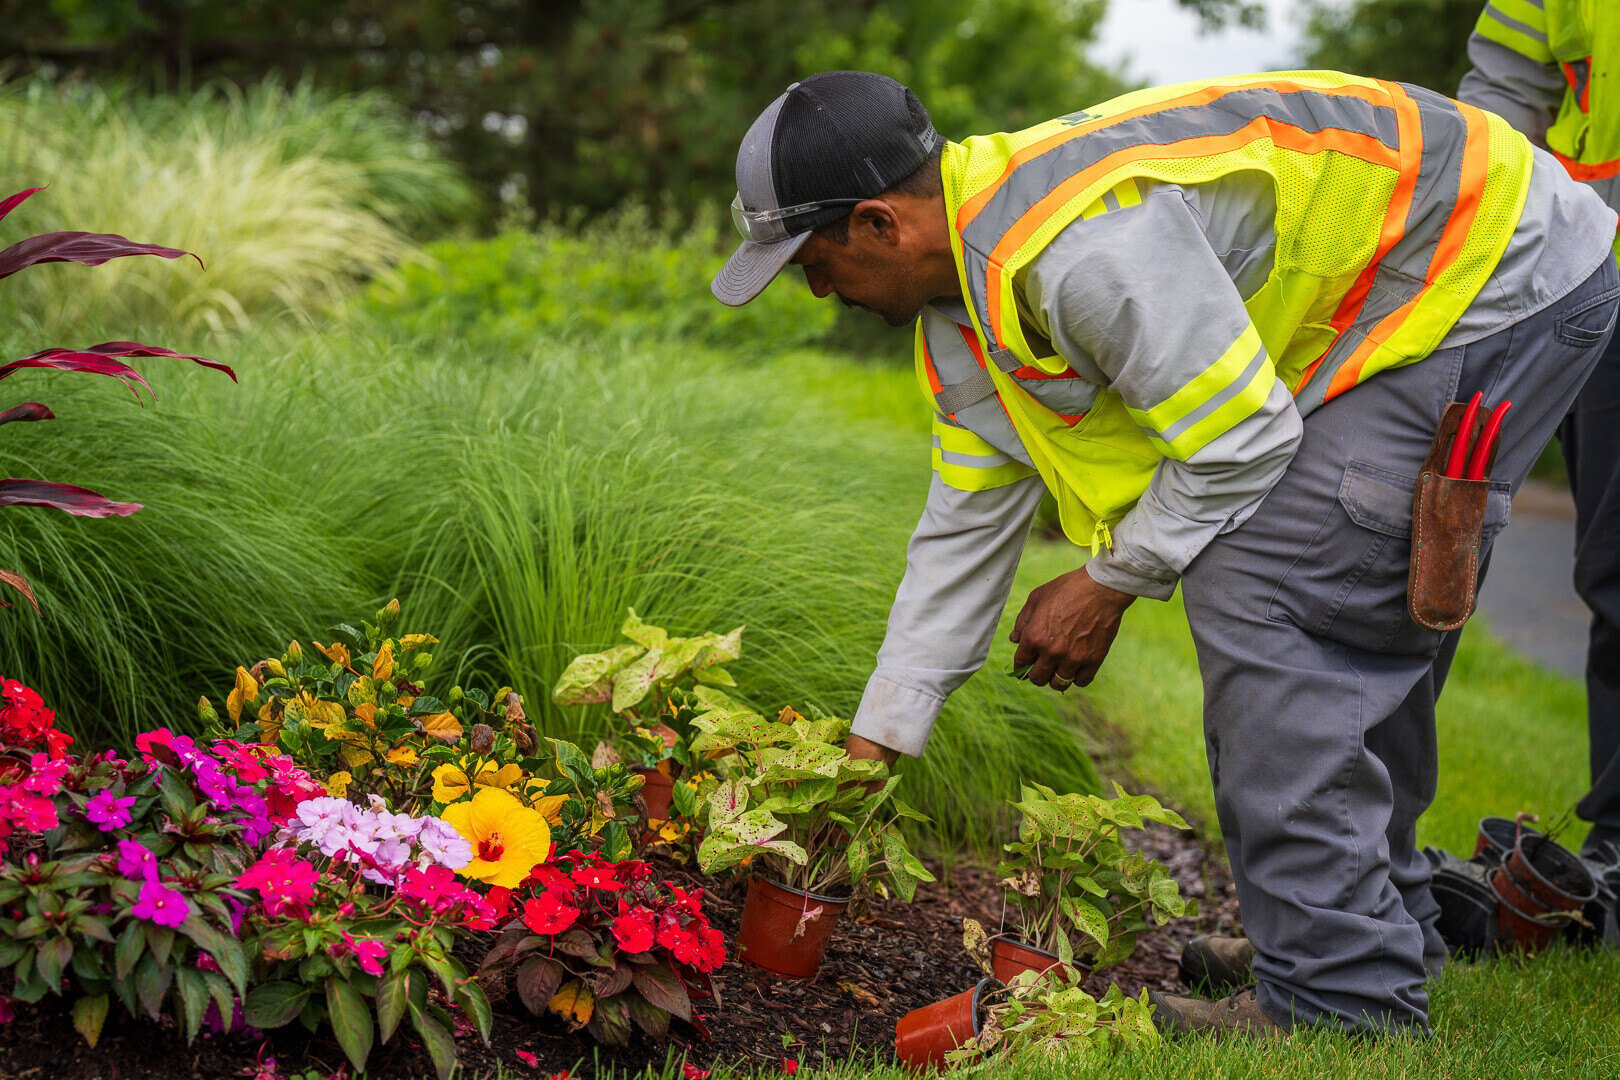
<point>893,958</point>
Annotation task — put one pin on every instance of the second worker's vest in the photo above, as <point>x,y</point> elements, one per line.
<point>1367,175</point>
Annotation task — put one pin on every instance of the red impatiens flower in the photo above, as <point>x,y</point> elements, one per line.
<point>548,878</point>
<point>603,877</point>
<point>789,1066</point>
<point>548,915</point>
<point>528,1058</point>
<point>692,1072</point>
<point>634,929</point>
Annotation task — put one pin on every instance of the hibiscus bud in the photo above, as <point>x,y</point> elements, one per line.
<point>275,668</point>
<point>205,711</point>
<point>388,615</point>
<point>483,738</point>
<point>295,652</point>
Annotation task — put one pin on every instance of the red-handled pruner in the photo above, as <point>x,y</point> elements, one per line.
<point>1481,457</point>
<point>1459,442</point>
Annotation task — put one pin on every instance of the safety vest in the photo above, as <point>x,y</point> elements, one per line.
<point>1361,169</point>
<point>1583,38</point>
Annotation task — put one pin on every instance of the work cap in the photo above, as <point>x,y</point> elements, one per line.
<point>829,142</point>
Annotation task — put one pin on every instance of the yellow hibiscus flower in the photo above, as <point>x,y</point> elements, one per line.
<point>450,781</point>
<point>508,839</point>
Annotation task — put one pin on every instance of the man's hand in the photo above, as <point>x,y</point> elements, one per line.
<point>866,750</point>
<point>1066,628</point>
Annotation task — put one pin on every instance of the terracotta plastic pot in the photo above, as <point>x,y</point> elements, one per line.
<point>1011,954</point>
<point>1537,886</point>
<point>658,793</point>
<point>786,931</point>
<point>1496,837</point>
<point>924,1036</point>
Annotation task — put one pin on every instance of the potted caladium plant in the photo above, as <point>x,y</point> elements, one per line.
<point>86,249</point>
<point>1033,1017</point>
<point>1080,897</point>
<point>647,684</point>
<point>815,825</point>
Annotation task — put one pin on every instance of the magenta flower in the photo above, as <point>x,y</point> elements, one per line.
<point>285,882</point>
<point>160,904</point>
<point>107,812</point>
<point>136,862</point>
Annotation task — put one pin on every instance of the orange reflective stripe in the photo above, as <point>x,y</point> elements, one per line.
<point>1409,124</point>
<point>1603,170</point>
<point>1470,189</point>
<point>1283,135</point>
<point>970,209</point>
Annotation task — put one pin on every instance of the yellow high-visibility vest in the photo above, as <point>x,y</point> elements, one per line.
<point>1583,38</point>
<point>1359,167</point>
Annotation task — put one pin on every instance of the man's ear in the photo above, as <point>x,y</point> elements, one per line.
<point>876,219</point>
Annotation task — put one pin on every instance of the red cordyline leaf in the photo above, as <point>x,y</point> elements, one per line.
<point>28,410</point>
<point>74,500</point>
<point>86,249</point>
<point>12,202</point>
<point>99,360</point>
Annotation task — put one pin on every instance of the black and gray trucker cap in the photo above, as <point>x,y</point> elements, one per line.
<point>829,142</point>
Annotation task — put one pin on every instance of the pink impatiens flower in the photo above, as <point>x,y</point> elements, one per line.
<point>160,904</point>
<point>107,812</point>
<point>136,862</point>
<point>370,954</point>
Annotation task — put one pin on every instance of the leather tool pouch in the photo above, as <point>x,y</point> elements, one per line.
<point>1448,518</point>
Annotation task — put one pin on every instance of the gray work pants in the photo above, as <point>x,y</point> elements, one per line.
<point>1319,690</point>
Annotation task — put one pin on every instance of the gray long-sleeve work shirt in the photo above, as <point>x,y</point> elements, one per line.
<point>1138,299</point>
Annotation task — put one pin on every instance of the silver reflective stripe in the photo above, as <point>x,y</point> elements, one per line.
<point>1036,178</point>
<point>971,461</point>
<point>1232,390</point>
<point>978,386</point>
<point>1514,24</point>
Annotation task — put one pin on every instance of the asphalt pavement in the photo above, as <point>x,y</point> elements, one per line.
<point>1528,598</point>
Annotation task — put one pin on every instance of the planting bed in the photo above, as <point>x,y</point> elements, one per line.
<point>903,956</point>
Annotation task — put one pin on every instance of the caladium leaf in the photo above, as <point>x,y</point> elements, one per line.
<point>78,501</point>
<point>11,202</point>
<point>86,249</point>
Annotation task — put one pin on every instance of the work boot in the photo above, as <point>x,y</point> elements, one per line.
<point>1213,963</point>
<point>1239,1014</point>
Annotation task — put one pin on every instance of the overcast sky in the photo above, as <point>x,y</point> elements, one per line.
<point>1161,40</point>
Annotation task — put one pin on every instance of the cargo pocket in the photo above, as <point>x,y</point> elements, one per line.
<point>1349,583</point>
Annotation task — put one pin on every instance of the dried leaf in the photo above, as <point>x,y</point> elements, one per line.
<point>483,738</point>
<point>18,582</point>
<point>861,994</point>
<point>604,755</point>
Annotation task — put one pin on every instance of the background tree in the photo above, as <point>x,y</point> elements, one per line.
<point>586,104</point>
<point>1416,41</point>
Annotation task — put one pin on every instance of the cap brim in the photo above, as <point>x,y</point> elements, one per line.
<point>751,268</point>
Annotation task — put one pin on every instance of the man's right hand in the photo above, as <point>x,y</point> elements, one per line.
<point>866,750</point>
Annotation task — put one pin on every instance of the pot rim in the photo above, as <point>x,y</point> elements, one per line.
<point>770,879</point>
<point>1563,855</point>
<point>978,993</point>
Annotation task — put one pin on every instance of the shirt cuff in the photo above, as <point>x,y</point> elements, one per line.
<point>1120,576</point>
<point>895,715</point>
